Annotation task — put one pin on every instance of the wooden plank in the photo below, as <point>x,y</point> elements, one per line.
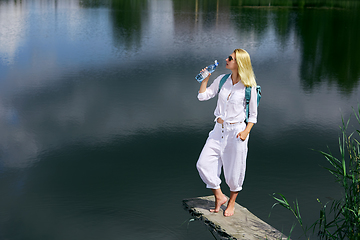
<point>242,225</point>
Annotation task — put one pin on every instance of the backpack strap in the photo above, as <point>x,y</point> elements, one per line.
<point>247,99</point>
<point>248,96</point>
<point>222,81</point>
<point>258,90</point>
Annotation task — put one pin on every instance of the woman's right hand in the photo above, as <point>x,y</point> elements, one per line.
<point>204,82</point>
<point>207,78</point>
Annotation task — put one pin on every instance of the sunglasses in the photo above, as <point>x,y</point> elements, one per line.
<point>230,58</point>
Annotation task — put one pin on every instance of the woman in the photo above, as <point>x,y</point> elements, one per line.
<point>226,146</point>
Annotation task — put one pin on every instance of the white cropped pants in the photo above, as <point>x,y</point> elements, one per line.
<point>223,150</point>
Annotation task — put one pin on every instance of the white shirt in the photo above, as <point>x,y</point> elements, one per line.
<point>231,101</point>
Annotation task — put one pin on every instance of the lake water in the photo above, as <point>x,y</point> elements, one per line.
<point>101,128</point>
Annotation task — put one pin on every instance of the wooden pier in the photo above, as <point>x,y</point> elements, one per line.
<point>242,225</point>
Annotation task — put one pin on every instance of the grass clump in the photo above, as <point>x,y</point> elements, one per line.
<point>338,219</point>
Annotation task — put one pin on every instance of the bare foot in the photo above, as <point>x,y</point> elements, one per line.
<point>230,209</point>
<point>218,203</point>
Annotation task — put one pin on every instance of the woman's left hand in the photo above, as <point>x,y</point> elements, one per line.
<point>242,135</point>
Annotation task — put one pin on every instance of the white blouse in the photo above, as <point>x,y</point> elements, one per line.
<point>231,101</point>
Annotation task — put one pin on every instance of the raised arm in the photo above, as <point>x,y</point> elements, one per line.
<point>204,84</point>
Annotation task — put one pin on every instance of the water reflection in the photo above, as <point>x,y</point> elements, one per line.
<point>128,19</point>
<point>100,88</point>
<point>330,50</point>
<point>13,25</point>
<point>139,31</point>
<point>136,32</point>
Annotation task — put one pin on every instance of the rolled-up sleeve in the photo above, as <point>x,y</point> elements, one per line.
<point>253,106</point>
<point>211,91</point>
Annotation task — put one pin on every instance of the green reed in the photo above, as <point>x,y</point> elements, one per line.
<point>339,219</point>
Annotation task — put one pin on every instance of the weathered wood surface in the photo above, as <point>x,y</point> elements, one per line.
<point>242,225</point>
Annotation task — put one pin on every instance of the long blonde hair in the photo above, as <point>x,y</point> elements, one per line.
<point>245,69</point>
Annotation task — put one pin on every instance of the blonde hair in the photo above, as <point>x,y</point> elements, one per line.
<point>245,69</point>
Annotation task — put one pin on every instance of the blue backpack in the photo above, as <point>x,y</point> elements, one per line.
<point>247,94</point>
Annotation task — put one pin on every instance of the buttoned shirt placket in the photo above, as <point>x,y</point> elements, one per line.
<point>223,126</point>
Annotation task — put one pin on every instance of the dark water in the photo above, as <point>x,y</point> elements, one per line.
<point>100,128</point>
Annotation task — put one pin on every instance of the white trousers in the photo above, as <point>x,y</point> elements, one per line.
<point>223,150</point>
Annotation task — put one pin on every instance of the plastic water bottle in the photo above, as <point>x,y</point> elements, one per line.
<point>202,75</point>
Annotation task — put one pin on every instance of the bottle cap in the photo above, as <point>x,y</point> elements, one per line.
<point>216,63</point>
